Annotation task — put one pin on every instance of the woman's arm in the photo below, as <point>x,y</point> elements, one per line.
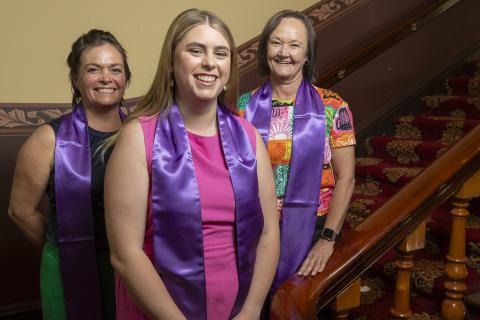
<point>268,247</point>
<point>126,203</point>
<point>343,160</point>
<point>32,170</point>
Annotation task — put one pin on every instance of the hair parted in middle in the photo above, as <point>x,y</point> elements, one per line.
<point>160,96</point>
<point>308,69</point>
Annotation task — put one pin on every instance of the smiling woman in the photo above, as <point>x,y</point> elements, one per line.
<point>201,70</point>
<point>203,189</point>
<point>310,140</point>
<point>101,79</point>
<point>76,278</point>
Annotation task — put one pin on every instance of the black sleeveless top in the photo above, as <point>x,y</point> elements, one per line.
<point>98,174</point>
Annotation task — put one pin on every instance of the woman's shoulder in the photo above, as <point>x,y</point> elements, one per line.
<point>331,98</point>
<point>139,125</point>
<point>244,98</point>
<point>148,122</point>
<point>55,123</point>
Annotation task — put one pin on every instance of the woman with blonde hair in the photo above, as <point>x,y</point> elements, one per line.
<point>189,193</point>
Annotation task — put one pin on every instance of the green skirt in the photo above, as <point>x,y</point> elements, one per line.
<point>51,287</point>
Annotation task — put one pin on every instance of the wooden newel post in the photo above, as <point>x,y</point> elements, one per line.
<point>401,297</point>
<point>453,307</point>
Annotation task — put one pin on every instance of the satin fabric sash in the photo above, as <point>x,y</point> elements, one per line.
<point>303,187</point>
<point>76,238</point>
<point>178,239</point>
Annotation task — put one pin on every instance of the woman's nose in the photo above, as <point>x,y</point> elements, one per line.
<point>208,61</point>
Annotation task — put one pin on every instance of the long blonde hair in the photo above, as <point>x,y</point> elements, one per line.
<point>161,94</point>
<point>159,98</point>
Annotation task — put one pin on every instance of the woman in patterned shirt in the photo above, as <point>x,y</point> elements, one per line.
<point>310,139</point>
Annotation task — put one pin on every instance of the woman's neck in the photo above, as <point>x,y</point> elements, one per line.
<point>199,118</point>
<point>103,119</point>
<point>285,89</point>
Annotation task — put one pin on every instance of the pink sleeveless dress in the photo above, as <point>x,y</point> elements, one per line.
<point>218,223</point>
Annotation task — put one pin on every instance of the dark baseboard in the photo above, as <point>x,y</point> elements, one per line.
<point>28,310</point>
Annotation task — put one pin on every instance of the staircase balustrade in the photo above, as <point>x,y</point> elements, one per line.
<point>453,307</point>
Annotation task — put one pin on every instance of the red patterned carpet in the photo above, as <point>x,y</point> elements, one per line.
<point>395,160</point>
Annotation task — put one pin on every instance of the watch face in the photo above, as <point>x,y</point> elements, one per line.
<point>328,234</point>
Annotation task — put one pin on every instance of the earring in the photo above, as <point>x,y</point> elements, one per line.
<point>306,62</point>
<point>225,88</point>
<point>172,83</point>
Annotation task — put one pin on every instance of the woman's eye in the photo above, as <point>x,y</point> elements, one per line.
<point>196,52</point>
<point>117,70</point>
<point>222,54</point>
<point>93,70</point>
<point>276,43</point>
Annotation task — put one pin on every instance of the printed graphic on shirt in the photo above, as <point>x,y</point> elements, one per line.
<point>339,133</point>
<point>343,120</point>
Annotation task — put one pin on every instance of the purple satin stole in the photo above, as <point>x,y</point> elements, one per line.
<point>178,239</point>
<point>303,187</point>
<point>76,239</point>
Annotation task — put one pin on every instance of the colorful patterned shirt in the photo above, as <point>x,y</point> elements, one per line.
<point>339,133</point>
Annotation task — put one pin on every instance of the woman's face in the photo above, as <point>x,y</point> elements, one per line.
<point>201,65</point>
<point>287,50</point>
<point>101,77</point>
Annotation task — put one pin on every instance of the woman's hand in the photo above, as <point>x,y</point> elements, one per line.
<point>317,258</point>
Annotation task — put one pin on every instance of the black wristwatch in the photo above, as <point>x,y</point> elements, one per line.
<point>328,234</point>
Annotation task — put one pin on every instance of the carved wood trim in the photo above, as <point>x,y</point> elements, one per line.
<point>17,119</point>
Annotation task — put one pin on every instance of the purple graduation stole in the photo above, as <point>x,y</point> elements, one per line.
<point>76,239</point>
<point>178,239</point>
<point>301,201</point>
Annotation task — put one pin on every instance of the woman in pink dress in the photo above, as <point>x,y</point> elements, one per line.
<point>189,192</point>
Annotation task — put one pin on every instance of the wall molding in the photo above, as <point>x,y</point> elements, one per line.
<point>23,118</point>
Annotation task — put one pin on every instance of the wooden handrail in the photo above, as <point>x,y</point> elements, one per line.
<point>298,298</point>
<point>383,42</point>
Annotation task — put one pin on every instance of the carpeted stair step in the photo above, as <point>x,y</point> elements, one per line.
<point>440,225</point>
<point>428,275</point>
<point>369,187</point>
<point>463,85</point>
<point>435,128</point>
<point>452,106</point>
<point>361,207</point>
<point>406,151</point>
<point>386,171</point>
<point>394,161</point>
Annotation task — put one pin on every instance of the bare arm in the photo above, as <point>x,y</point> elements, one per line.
<point>343,160</point>
<point>126,204</point>
<point>32,170</point>
<point>269,244</point>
